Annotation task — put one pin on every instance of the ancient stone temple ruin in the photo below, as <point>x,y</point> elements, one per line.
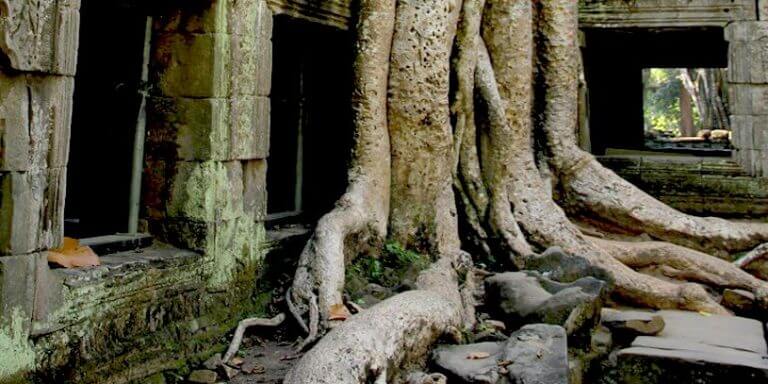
<point>192,144</point>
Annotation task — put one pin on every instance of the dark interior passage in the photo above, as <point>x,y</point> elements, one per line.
<point>106,104</point>
<point>311,130</point>
<point>614,61</point>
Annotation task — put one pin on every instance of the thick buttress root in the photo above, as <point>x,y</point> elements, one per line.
<point>408,157</point>
<point>386,336</point>
<point>362,212</point>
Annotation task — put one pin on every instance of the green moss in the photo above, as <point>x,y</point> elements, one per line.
<point>392,268</point>
<point>16,354</point>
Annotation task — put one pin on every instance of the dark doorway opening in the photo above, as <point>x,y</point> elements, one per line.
<point>311,127</point>
<point>614,63</point>
<point>106,106</point>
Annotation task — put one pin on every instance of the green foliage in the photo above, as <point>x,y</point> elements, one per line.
<point>388,269</point>
<point>662,101</point>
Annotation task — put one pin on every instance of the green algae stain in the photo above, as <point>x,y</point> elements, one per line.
<point>16,354</point>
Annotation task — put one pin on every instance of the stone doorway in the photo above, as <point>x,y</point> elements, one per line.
<point>311,129</point>
<point>614,63</point>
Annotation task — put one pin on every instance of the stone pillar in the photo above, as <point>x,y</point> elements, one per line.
<point>748,93</point>
<point>38,49</point>
<point>208,132</point>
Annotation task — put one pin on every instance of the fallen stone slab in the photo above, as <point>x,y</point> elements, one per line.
<point>725,331</point>
<point>695,348</point>
<point>535,354</point>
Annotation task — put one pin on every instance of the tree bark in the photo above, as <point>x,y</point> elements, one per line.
<point>687,129</point>
<point>414,165</point>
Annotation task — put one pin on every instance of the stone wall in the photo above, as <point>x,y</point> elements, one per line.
<point>208,130</point>
<point>38,50</point>
<point>748,93</point>
<point>699,186</point>
<point>204,194</point>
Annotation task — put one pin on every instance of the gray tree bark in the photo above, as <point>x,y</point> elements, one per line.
<point>424,161</point>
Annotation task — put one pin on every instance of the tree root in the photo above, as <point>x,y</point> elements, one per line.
<point>503,78</point>
<point>362,212</point>
<point>592,190</point>
<point>684,263</point>
<point>402,120</point>
<point>237,339</point>
<point>760,252</point>
<point>387,336</point>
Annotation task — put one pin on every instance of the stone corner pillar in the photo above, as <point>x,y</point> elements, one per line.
<point>748,93</point>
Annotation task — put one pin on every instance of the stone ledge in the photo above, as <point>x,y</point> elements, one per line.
<point>695,185</point>
<point>663,13</point>
<point>120,264</point>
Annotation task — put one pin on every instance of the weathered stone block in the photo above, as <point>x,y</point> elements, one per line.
<point>249,128</point>
<point>31,210</point>
<point>746,30</point>
<point>40,36</point>
<point>207,16</point>
<point>187,234</point>
<point>35,117</point>
<point>748,52</point>
<point>760,135</point>
<point>697,349</point>
<point>748,99</point>
<point>255,189</point>
<point>247,17</point>
<point>188,129</point>
<point>237,17</point>
<point>229,192</point>
<point>238,246</point>
<point>251,65</point>
<point>17,290</point>
<point>192,190</point>
<point>742,131</point>
<point>198,191</point>
<point>191,65</point>
<point>750,160</point>
<point>208,129</point>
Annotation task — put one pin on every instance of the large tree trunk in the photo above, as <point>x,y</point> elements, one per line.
<point>413,168</point>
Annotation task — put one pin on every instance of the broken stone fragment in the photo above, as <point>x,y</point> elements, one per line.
<point>228,371</point>
<point>740,301</point>
<point>700,349</point>
<point>453,361</point>
<point>202,376</point>
<point>528,297</point>
<point>539,355</point>
<point>632,323</point>
<point>213,362</point>
<point>558,265</point>
<point>535,354</point>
